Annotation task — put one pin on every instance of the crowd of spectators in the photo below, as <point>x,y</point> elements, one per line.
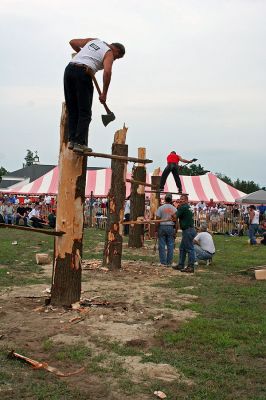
<point>29,212</point>
<point>40,211</point>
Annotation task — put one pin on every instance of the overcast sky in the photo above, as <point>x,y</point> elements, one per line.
<point>192,80</point>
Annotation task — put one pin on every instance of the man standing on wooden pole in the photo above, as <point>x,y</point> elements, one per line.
<point>116,200</point>
<point>92,55</point>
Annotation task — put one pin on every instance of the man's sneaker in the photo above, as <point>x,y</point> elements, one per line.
<point>189,269</point>
<point>178,267</point>
<point>80,148</point>
<point>208,262</point>
<point>196,263</point>
<point>70,145</point>
<point>160,190</point>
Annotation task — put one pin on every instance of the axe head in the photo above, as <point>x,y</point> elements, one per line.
<point>108,118</point>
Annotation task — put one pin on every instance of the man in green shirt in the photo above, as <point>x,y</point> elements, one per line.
<point>186,222</point>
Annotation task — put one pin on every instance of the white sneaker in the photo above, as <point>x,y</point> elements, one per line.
<point>208,262</point>
<point>196,263</point>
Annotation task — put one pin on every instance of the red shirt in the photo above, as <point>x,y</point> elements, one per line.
<point>173,158</point>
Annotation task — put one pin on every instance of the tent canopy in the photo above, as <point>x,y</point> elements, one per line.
<point>258,197</point>
<point>203,187</point>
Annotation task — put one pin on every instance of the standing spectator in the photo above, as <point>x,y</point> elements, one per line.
<point>201,206</point>
<point>47,199</point>
<point>186,222</point>
<point>166,231</point>
<point>203,245</point>
<point>127,215</point>
<point>26,200</point>
<point>254,216</point>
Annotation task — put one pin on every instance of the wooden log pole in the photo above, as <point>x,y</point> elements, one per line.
<point>66,283</point>
<point>154,199</point>
<point>116,200</point>
<point>137,202</point>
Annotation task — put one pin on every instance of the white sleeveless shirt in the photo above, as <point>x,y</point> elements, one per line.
<point>92,55</point>
<point>256,218</point>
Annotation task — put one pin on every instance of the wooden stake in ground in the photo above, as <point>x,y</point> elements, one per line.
<point>116,201</point>
<point>66,285</point>
<point>137,202</point>
<point>154,199</point>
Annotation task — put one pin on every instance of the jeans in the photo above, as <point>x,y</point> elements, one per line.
<point>201,254</point>
<point>166,236</point>
<point>78,89</point>
<point>8,219</point>
<point>171,167</point>
<point>187,247</point>
<point>252,230</point>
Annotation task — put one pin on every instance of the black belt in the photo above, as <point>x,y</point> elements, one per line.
<point>79,65</point>
<point>209,252</point>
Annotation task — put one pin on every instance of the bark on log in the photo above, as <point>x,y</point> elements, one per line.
<point>116,201</point>
<point>137,202</point>
<point>66,285</point>
<point>154,199</point>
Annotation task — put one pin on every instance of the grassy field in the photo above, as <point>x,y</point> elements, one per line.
<point>222,350</point>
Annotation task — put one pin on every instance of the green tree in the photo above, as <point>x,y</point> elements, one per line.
<point>246,186</point>
<point>224,178</point>
<point>192,169</point>
<point>29,158</point>
<point>3,171</point>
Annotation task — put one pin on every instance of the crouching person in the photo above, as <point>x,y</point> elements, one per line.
<point>203,245</point>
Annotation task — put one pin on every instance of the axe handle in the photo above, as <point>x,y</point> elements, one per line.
<point>99,90</point>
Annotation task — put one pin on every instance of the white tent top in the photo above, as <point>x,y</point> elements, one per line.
<point>258,197</point>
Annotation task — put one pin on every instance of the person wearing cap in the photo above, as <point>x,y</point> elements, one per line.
<point>172,166</point>
<point>204,245</point>
<point>186,222</point>
<point>92,55</point>
<point>166,231</point>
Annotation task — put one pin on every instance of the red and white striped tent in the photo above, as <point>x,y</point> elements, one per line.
<point>203,187</point>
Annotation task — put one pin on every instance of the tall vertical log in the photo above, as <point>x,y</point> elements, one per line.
<point>154,199</point>
<point>116,200</point>
<point>66,285</point>
<point>137,202</point>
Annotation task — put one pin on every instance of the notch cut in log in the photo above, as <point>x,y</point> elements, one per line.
<point>36,230</point>
<point>116,157</point>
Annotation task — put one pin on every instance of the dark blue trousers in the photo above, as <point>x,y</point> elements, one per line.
<point>78,89</point>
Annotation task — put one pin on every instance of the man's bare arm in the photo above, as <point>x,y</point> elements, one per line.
<point>107,74</point>
<point>77,44</point>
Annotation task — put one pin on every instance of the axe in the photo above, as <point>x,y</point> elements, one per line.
<point>109,117</point>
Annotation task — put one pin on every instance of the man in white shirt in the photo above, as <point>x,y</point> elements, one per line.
<point>254,216</point>
<point>203,245</point>
<point>92,55</point>
<point>34,217</point>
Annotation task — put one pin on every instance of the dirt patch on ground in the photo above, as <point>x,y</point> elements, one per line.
<point>130,311</point>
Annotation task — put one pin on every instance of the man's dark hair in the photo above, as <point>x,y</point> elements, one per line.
<point>120,47</point>
<point>168,198</point>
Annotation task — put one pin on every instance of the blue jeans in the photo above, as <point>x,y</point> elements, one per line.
<point>252,230</point>
<point>201,254</point>
<point>166,240</point>
<point>187,247</point>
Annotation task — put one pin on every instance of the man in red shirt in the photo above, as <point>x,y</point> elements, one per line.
<point>172,166</point>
